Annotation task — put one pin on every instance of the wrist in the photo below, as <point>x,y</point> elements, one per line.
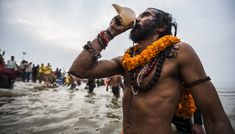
<point>109,34</point>
<point>104,37</point>
<point>112,32</point>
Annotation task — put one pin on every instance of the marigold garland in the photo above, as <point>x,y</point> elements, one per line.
<point>186,106</point>
<point>149,53</point>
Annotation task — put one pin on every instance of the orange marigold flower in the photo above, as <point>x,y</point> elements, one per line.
<point>149,53</point>
<point>186,107</point>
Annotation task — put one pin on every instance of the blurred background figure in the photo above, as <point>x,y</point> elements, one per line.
<point>28,71</point>
<point>9,72</point>
<point>90,85</point>
<point>11,64</point>
<point>115,82</point>
<point>35,71</point>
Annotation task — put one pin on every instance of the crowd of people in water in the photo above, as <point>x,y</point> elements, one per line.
<point>27,71</point>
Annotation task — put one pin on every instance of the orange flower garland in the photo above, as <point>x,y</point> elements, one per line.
<point>149,53</point>
<point>186,106</point>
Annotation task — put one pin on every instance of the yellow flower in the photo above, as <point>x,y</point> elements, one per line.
<point>186,106</point>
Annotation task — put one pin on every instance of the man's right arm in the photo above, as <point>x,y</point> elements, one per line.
<point>86,64</point>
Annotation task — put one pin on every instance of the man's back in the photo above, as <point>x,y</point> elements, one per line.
<point>115,81</point>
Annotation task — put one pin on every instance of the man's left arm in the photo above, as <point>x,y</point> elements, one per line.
<point>203,91</point>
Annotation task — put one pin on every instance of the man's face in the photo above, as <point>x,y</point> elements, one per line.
<point>145,26</point>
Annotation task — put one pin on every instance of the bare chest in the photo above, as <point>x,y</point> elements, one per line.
<point>149,76</point>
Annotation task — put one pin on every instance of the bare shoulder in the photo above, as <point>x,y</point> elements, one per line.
<point>185,49</point>
<point>117,59</point>
<point>186,54</point>
<point>189,64</point>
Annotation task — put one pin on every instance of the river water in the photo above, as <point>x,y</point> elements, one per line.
<point>60,110</point>
<point>64,111</point>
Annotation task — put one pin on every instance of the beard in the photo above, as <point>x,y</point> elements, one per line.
<point>139,33</point>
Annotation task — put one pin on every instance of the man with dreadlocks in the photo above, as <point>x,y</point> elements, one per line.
<point>154,70</point>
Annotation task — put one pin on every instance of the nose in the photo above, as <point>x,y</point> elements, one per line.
<point>137,20</point>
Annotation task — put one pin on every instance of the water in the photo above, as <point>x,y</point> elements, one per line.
<point>60,110</point>
<point>227,97</point>
<point>64,111</point>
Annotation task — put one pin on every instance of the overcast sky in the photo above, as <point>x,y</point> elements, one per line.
<point>55,30</point>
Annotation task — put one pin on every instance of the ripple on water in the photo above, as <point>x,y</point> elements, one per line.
<point>59,110</point>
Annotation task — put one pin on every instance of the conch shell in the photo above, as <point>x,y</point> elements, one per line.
<point>128,17</point>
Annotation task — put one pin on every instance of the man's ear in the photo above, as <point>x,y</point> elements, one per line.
<point>160,30</point>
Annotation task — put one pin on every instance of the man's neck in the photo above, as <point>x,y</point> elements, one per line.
<point>148,41</point>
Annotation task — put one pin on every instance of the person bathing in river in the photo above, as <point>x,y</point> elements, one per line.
<point>153,70</point>
<point>115,82</point>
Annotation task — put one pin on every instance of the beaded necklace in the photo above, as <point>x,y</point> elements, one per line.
<point>186,106</point>
<point>137,75</point>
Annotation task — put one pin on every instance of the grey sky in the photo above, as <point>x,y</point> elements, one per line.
<point>55,30</point>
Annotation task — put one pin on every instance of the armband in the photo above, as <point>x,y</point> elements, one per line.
<point>92,50</point>
<point>197,82</point>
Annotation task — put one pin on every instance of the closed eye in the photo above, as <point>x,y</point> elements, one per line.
<point>145,14</point>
